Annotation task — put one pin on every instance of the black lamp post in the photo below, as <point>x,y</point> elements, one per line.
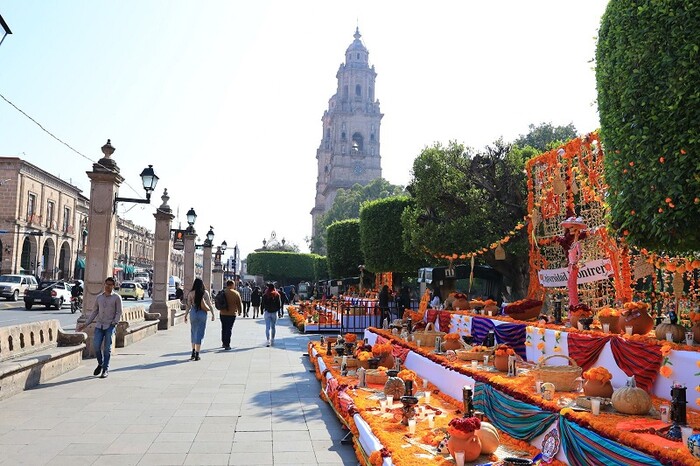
<point>5,29</point>
<point>149,179</point>
<point>191,218</point>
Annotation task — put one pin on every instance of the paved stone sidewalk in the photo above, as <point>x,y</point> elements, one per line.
<point>252,405</point>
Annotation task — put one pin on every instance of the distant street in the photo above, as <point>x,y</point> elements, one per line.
<point>13,313</point>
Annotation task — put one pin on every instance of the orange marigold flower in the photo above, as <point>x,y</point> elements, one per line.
<point>557,349</point>
<point>666,371</point>
<point>666,350</point>
<point>540,345</point>
<point>541,331</point>
<point>697,363</point>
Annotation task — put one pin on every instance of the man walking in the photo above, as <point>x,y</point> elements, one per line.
<point>228,315</point>
<point>106,314</point>
<point>246,294</point>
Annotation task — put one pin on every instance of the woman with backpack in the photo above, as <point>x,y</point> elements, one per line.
<point>199,304</point>
<point>255,299</point>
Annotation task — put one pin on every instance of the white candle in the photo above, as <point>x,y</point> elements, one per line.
<point>689,337</point>
<point>427,397</point>
<point>431,420</point>
<point>418,342</point>
<point>474,364</point>
<point>411,426</point>
<point>606,328</point>
<point>595,406</point>
<point>628,329</point>
<point>382,405</point>
<point>390,400</point>
<point>538,387</point>
<point>459,458</point>
<point>669,336</point>
<point>425,384</point>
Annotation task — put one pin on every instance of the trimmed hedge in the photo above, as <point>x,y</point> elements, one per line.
<point>381,236</point>
<point>287,267</point>
<point>344,254</point>
<point>648,79</point>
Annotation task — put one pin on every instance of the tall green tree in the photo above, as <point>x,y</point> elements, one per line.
<point>344,254</point>
<point>465,200</point>
<point>545,136</point>
<point>347,205</point>
<point>381,236</point>
<point>648,79</point>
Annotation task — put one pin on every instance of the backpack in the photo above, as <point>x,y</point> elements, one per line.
<point>220,301</point>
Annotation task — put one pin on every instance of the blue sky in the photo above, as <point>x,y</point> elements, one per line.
<point>225,98</point>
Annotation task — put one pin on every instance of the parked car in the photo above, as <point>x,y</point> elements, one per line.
<point>49,293</point>
<point>14,286</point>
<point>172,289</point>
<point>131,290</point>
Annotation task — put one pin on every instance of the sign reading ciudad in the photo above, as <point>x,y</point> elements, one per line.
<point>592,271</point>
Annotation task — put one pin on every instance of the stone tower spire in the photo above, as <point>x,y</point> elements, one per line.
<point>349,150</point>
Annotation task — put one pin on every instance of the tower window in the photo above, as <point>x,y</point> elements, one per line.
<point>357,143</point>
<point>342,135</point>
<point>371,94</point>
<point>358,90</point>
<point>358,56</point>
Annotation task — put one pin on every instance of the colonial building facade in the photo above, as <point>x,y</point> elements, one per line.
<point>349,152</point>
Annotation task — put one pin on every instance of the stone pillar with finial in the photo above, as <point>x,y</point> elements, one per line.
<point>161,262</point>
<point>99,262</point>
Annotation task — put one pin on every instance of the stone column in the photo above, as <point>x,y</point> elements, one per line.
<point>161,262</point>
<point>206,266</point>
<point>99,263</point>
<point>188,278</point>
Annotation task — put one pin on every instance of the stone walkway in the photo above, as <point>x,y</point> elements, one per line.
<point>252,405</point>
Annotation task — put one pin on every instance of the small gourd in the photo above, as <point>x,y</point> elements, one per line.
<point>489,438</point>
<point>631,399</point>
<point>394,386</point>
<point>677,331</point>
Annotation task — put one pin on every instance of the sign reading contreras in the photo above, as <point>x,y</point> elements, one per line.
<point>592,271</point>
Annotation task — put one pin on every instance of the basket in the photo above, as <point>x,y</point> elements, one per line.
<point>376,377</point>
<point>466,355</point>
<point>563,377</point>
<point>427,337</point>
<point>351,362</point>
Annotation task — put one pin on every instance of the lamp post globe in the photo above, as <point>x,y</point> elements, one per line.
<point>210,234</point>
<point>191,216</point>
<point>223,246</point>
<point>149,179</point>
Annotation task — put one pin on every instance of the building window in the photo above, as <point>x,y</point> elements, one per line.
<point>50,206</point>
<point>31,205</point>
<point>358,56</point>
<point>66,218</point>
<point>342,135</point>
<point>358,90</point>
<point>357,143</point>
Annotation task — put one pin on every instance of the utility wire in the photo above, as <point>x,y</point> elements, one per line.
<point>64,143</point>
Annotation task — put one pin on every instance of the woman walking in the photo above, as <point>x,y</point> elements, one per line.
<point>255,299</point>
<point>198,303</point>
<point>271,305</point>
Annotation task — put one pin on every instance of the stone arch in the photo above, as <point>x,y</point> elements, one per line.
<point>29,254</point>
<point>357,143</point>
<point>64,262</point>
<point>48,259</point>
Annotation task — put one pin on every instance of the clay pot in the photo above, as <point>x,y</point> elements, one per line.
<point>468,443</point>
<point>501,363</point>
<point>461,303</point>
<point>641,322</point>
<point>613,322</point>
<point>596,388</point>
<point>452,345</point>
<point>386,360</point>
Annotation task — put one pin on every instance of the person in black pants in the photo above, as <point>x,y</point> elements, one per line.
<point>228,315</point>
<point>384,297</point>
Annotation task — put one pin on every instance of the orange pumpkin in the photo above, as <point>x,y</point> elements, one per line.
<point>489,438</point>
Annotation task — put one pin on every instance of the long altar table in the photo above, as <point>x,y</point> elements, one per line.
<point>511,405</point>
<point>616,353</point>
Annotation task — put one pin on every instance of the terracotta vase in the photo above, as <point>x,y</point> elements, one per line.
<point>598,389</point>
<point>641,322</point>
<point>613,322</point>
<point>696,332</point>
<point>461,304</point>
<point>501,363</point>
<point>386,360</point>
<point>468,443</point>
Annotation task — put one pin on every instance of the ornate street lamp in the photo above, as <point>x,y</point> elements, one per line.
<point>191,218</point>
<point>149,180</point>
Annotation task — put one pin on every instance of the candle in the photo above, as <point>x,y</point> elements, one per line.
<point>411,426</point>
<point>538,387</point>
<point>686,432</point>
<point>606,328</point>
<point>382,405</point>
<point>344,361</point>
<point>427,397</point>
<point>389,401</point>
<point>425,384</point>
<point>486,360</point>
<point>669,336</point>
<point>459,458</point>
<point>431,420</point>
<point>595,406</point>
<point>628,329</point>
<point>664,411</point>
<point>689,337</point>
<point>474,364</point>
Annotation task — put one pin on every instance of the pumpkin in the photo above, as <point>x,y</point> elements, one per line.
<point>631,399</point>
<point>677,331</point>
<point>489,438</point>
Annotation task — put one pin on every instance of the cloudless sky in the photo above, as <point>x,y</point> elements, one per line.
<point>225,98</point>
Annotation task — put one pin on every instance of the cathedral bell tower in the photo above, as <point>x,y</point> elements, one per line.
<point>349,151</point>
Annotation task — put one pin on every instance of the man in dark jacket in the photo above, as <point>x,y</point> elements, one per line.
<point>283,299</point>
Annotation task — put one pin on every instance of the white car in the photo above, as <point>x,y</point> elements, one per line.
<point>14,286</point>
